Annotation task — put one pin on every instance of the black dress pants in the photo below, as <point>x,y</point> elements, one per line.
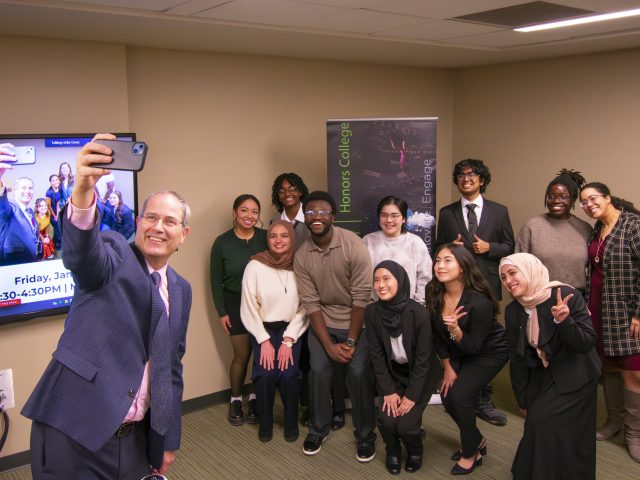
<point>360,386</point>
<point>460,402</point>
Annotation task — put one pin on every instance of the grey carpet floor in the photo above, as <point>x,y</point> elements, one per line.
<point>213,449</point>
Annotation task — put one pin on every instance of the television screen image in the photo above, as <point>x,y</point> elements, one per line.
<point>33,280</point>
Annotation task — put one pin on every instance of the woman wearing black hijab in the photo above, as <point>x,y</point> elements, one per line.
<point>406,367</point>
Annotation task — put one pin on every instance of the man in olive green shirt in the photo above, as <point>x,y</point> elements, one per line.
<point>334,275</point>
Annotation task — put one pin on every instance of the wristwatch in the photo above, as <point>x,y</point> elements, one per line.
<point>350,342</point>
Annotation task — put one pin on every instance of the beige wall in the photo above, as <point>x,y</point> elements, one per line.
<point>217,126</point>
<point>528,120</point>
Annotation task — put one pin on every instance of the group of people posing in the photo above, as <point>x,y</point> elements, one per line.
<point>311,300</point>
<point>32,234</point>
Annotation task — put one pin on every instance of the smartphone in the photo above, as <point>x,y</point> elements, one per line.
<point>127,155</point>
<point>24,155</point>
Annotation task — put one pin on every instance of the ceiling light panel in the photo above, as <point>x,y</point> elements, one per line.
<point>151,5</point>
<point>438,30</point>
<point>194,6</point>
<point>269,12</point>
<point>435,9</point>
<point>362,21</point>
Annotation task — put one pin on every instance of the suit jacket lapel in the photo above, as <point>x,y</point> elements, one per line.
<point>175,302</point>
<point>487,211</point>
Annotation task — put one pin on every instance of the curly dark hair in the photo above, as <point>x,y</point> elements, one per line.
<point>476,166</point>
<point>617,202</point>
<point>294,180</point>
<point>472,279</point>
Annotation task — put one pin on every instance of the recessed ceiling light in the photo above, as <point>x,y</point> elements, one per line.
<point>580,21</point>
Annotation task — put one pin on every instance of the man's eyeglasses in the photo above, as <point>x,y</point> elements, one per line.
<point>153,219</point>
<point>469,175</point>
<point>290,189</point>
<point>590,199</point>
<point>562,197</point>
<point>317,213</point>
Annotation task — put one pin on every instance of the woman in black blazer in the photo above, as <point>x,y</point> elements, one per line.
<point>407,371</point>
<point>469,341</point>
<point>554,372</point>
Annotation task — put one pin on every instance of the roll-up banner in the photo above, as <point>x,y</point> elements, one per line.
<point>370,158</point>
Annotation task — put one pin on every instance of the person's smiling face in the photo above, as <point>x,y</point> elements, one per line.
<point>469,183</point>
<point>391,220</point>
<point>385,284</point>
<point>559,202</point>
<point>318,217</point>
<point>513,280</point>
<point>446,267</point>
<point>289,195</point>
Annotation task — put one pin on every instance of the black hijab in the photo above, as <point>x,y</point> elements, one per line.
<point>390,311</point>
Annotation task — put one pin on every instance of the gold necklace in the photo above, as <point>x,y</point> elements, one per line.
<point>601,240</point>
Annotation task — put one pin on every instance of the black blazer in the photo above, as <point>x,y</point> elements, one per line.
<point>483,338</point>
<point>569,345</point>
<point>425,370</point>
<point>494,227</point>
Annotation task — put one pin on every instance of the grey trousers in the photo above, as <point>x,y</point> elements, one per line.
<point>360,384</point>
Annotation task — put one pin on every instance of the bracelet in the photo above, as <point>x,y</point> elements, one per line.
<point>454,333</point>
<point>288,344</point>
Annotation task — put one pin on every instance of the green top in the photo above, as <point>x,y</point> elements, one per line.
<point>229,257</point>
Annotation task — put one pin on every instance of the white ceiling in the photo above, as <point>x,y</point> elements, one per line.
<point>397,32</point>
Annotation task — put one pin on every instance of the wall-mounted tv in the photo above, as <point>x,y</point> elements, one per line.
<point>33,280</point>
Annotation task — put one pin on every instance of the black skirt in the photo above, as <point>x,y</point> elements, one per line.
<point>559,440</point>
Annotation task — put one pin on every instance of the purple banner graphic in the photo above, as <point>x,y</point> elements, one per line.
<point>368,159</point>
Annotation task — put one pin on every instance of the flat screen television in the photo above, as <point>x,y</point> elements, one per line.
<point>33,280</point>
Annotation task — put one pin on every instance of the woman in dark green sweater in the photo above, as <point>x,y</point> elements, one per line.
<point>230,254</point>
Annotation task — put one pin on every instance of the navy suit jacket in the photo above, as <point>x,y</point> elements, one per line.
<point>494,227</point>
<point>17,235</point>
<point>97,367</point>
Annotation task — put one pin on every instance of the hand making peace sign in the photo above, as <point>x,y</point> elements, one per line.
<point>560,310</point>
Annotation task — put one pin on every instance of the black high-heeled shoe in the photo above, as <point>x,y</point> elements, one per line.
<point>458,470</point>
<point>482,448</point>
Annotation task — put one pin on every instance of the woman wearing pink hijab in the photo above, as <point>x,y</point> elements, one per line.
<point>554,372</point>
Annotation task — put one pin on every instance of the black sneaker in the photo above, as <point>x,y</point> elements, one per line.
<point>487,411</point>
<point>366,451</point>
<point>236,417</point>
<point>313,444</point>
<point>252,412</point>
<point>337,421</point>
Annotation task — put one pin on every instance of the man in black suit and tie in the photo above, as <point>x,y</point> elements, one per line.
<point>484,228</point>
<point>19,235</point>
<point>108,406</point>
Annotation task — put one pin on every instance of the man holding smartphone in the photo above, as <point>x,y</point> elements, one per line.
<point>110,399</point>
<point>19,236</point>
